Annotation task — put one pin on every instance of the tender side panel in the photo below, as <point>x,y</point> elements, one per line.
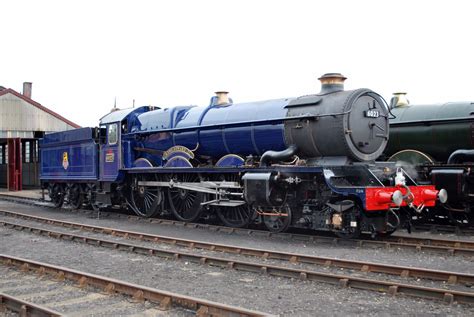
<point>69,160</point>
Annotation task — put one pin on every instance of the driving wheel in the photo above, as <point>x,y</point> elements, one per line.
<point>145,200</point>
<point>185,204</point>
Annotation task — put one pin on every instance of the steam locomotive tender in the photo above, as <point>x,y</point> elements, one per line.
<point>304,162</point>
<point>437,141</point>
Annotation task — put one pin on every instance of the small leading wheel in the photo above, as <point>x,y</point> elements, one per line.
<point>385,234</point>
<point>348,233</point>
<point>392,224</point>
<point>185,204</point>
<point>350,228</point>
<point>75,196</point>
<point>56,193</point>
<point>278,223</point>
<point>145,200</point>
<point>235,217</point>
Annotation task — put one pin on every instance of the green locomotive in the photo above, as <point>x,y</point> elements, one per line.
<point>436,142</point>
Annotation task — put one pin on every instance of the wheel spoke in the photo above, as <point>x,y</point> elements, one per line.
<point>149,193</point>
<point>147,202</point>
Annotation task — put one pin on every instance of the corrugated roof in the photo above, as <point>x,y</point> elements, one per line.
<point>38,105</point>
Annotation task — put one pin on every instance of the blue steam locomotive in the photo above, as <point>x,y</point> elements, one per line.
<point>306,162</point>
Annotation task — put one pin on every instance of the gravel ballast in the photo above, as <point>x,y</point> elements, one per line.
<point>236,257</point>
<point>254,291</point>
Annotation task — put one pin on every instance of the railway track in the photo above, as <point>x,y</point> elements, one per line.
<point>438,228</point>
<point>390,287</point>
<point>91,288</point>
<point>419,242</point>
<point>24,308</point>
<point>450,245</point>
<point>439,246</point>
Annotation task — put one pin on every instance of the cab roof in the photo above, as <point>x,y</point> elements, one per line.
<point>119,115</point>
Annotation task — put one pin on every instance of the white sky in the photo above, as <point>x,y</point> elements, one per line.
<point>80,55</point>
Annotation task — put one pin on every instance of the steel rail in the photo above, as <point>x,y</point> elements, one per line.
<point>343,280</point>
<point>432,242</point>
<point>10,195</point>
<point>166,299</point>
<point>438,228</point>
<point>25,308</point>
<point>403,271</point>
<point>452,247</point>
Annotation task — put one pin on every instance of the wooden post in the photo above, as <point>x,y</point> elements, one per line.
<point>14,164</point>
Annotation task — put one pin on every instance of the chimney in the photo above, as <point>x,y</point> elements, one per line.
<point>399,99</point>
<point>222,98</point>
<point>27,89</point>
<point>331,82</point>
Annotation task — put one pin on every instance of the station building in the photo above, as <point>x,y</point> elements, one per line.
<point>22,122</point>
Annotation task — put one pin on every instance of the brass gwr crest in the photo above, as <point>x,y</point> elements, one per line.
<point>65,160</point>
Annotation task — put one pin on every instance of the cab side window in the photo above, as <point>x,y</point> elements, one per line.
<point>102,134</point>
<point>112,135</point>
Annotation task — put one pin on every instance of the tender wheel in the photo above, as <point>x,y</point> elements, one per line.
<point>279,223</point>
<point>56,193</point>
<point>145,200</point>
<point>350,233</point>
<point>91,195</point>
<point>185,204</point>
<point>236,217</point>
<point>75,196</point>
